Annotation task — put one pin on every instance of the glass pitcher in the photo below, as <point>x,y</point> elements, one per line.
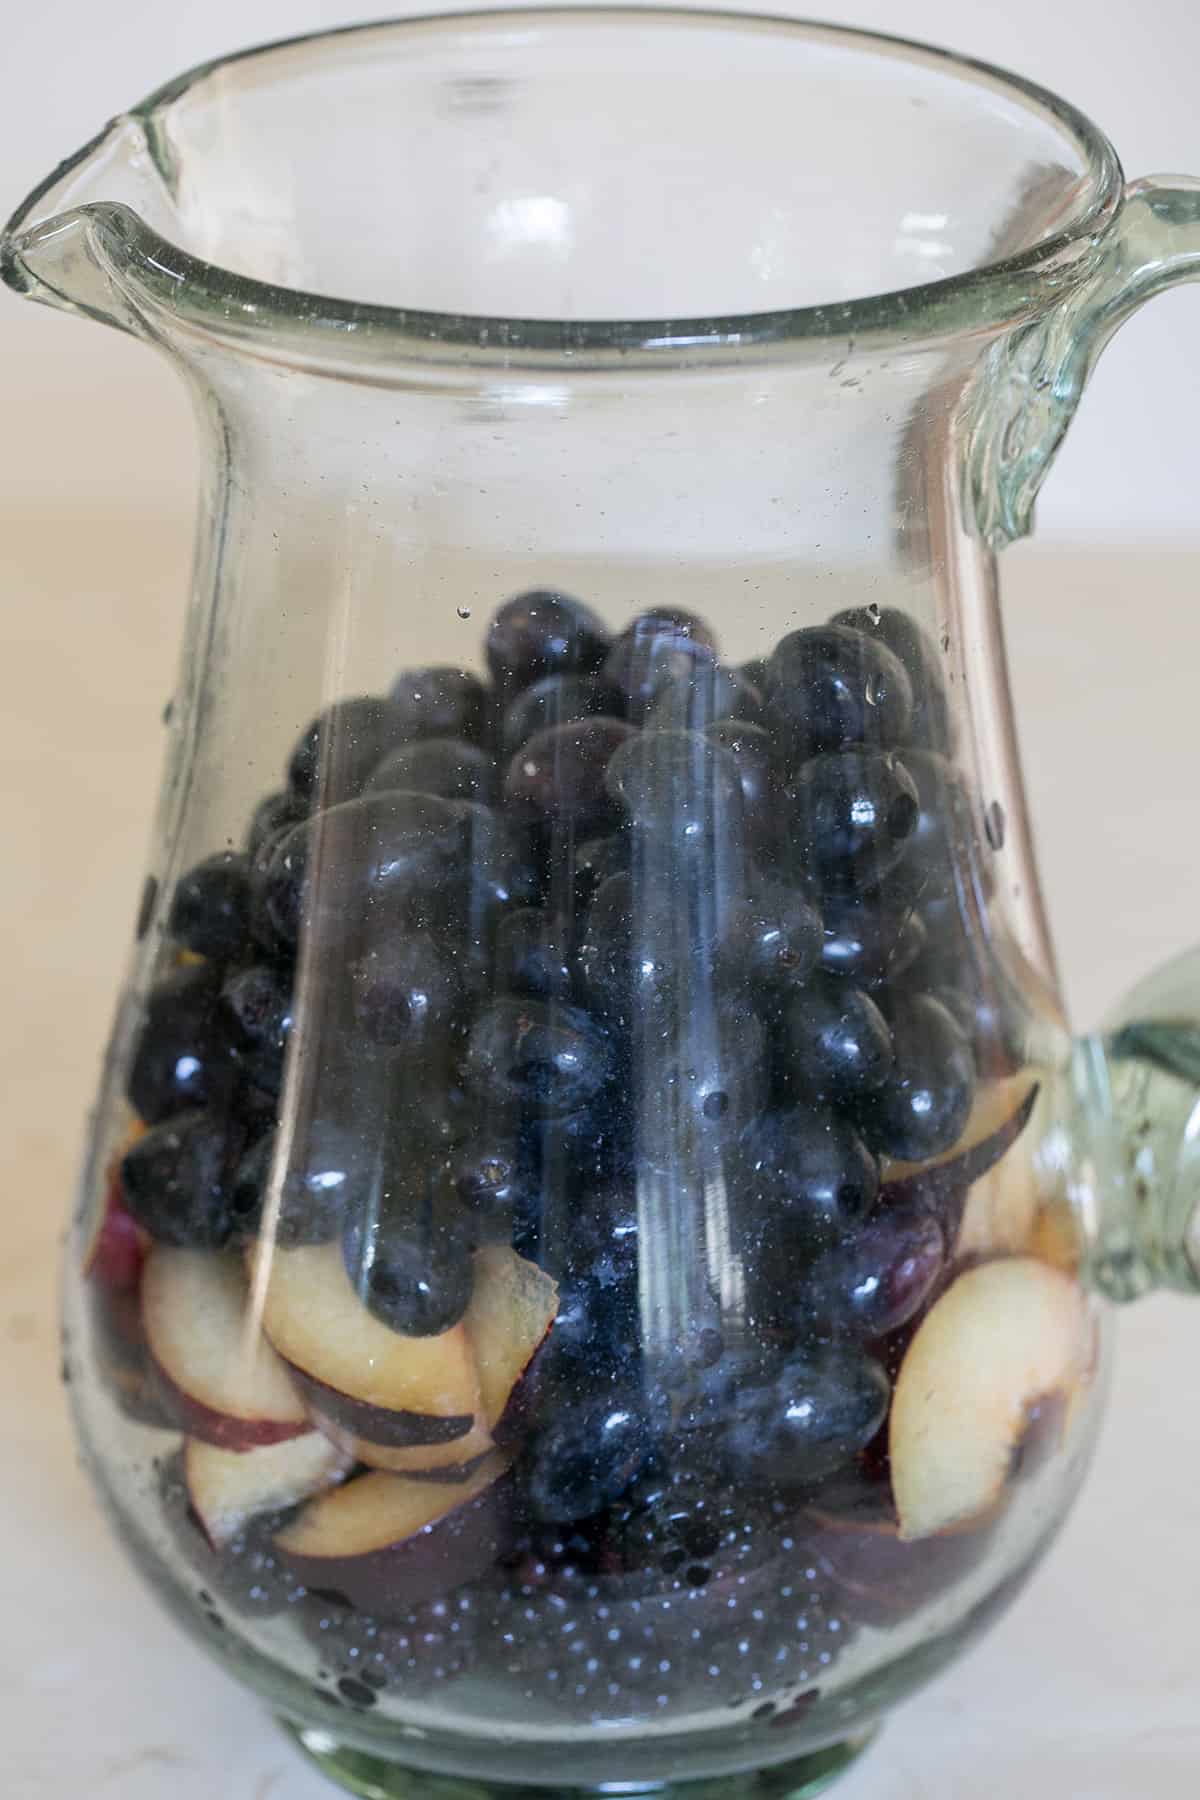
<point>593,1264</point>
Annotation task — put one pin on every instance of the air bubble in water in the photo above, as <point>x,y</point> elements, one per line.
<point>873,612</point>
<point>876,689</point>
<point>994,825</point>
<point>464,612</point>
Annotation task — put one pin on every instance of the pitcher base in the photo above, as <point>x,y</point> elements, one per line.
<point>377,1778</point>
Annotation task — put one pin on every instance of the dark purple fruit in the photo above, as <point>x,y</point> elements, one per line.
<point>330,1176</point>
<point>533,955</point>
<point>274,813</point>
<point>655,651</point>
<point>585,1458</point>
<point>876,1280</point>
<point>596,1336</point>
<point>338,750</point>
<point>439,702</point>
<point>774,940</point>
<point>808,1420</point>
<point>502,864</point>
<point>923,1103</point>
<point>373,858</point>
<point>869,941</point>
<point>755,672</point>
<point>589,1148</point>
<point>492,1175</point>
<point>175,1180</point>
<point>829,686</point>
<point>258,1003</point>
<point>836,1040</point>
<point>930,725</point>
<point>603,962</point>
<point>265,939</point>
<point>450,767</point>
<point>556,700</point>
<point>595,861</point>
<point>183,1056</point>
<point>680,785</point>
<point>852,813</point>
<point>621,972</point>
<point>701,695</point>
<point>591,1250</point>
<point>981,996</point>
<point>210,907</point>
<point>943,865</point>
<point>941,1187</point>
<point>548,1059</point>
<point>559,775</point>
<point>709,1069</point>
<point>676,620</point>
<point>248,1187</point>
<point>750,747</point>
<point>542,633</point>
<point>406,990</point>
<point>411,1264</point>
<point>801,1176</point>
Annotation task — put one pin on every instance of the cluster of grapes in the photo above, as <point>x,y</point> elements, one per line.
<point>544,955</point>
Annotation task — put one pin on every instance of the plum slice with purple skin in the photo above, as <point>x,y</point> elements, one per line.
<point>230,1488</point>
<point>513,1305</point>
<point>853,1536</point>
<point>382,1385</point>
<point>388,1542</point>
<point>1004,1339</point>
<point>195,1312</point>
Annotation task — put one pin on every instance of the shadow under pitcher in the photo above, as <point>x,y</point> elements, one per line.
<point>595,1261</point>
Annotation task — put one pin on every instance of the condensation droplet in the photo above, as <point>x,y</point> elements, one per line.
<point>994,825</point>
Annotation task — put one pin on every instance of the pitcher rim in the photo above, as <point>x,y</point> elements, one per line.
<point>990,295</point>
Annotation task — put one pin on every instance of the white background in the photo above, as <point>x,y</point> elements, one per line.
<point>116,424</point>
<point>1088,1690</point>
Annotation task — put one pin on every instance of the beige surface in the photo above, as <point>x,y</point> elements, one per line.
<point>1088,1689</point>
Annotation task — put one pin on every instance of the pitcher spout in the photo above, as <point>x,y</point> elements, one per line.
<point>58,247</point>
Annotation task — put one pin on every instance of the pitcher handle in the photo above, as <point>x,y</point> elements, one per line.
<point>1124,1145</point>
<point>1035,375</point>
